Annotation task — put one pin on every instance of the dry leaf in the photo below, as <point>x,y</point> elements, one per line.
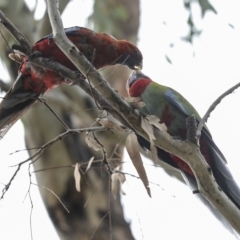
<point>117,177</point>
<point>89,163</point>
<point>133,151</point>
<point>16,57</point>
<point>154,120</point>
<point>132,99</point>
<point>139,104</point>
<point>153,150</point>
<point>149,130</point>
<point>77,177</point>
<point>135,102</point>
<point>109,124</point>
<point>92,143</point>
<point>122,179</point>
<point>114,181</point>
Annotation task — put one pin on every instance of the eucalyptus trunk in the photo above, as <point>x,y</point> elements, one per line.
<point>121,19</point>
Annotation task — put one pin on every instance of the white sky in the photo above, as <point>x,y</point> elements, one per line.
<point>173,212</point>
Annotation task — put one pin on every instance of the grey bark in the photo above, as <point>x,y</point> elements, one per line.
<point>71,104</point>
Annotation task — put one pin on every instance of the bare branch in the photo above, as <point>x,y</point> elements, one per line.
<point>53,112</point>
<point>81,82</point>
<point>58,198</point>
<point>187,151</point>
<point>18,36</point>
<point>84,66</point>
<point>47,145</point>
<point>116,105</point>
<point>212,107</point>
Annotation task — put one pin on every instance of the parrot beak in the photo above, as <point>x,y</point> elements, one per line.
<point>138,67</point>
<point>132,79</point>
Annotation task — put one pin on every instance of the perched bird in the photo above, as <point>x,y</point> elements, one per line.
<point>99,48</point>
<point>173,109</point>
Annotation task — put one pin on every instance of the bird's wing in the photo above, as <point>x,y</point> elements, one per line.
<point>220,170</point>
<point>186,108</point>
<point>68,31</point>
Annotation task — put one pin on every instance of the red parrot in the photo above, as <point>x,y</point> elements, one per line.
<point>33,81</point>
<point>173,109</point>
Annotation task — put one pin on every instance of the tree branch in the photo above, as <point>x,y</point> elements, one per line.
<point>18,36</point>
<point>120,109</point>
<point>187,151</point>
<point>212,107</point>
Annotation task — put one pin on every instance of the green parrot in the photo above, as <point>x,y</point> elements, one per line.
<point>173,109</point>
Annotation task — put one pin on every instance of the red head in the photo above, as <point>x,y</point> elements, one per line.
<point>137,83</point>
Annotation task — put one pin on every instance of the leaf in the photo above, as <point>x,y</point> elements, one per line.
<point>77,177</point>
<point>231,26</point>
<point>135,102</point>
<point>109,124</point>
<point>117,177</point>
<point>16,57</point>
<point>153,150</point>
<point>89,163</point>
<point>133,152</point>
<point>114,181</point>
<point>132,99</point>
<point>149,130</point>
<point>122,180</point>
<point>205,6</point>
<point>92,143</point>
<point>168,59</point>
<point>154,120</point>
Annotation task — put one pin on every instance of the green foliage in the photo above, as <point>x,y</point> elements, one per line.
<point>193,31</point>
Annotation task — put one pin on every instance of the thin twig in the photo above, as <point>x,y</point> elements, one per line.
<point>82,83</point>
<point>109,205</point>
<point>7,186</point>
<point>40,151</point>
<point>110,171</point>
<point>17,35</point>
<point>99,225</point>
<point>30,198</point>
<point>53,168</point>
<point>53,194</point>
<point>54,113</point>
<point>212,107</point>
<point>93,192</point>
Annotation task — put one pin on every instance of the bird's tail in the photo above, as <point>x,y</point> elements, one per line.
<point>221,173</point>
<point>14,104</point>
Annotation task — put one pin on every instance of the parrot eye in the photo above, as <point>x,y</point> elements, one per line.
<point>68,81</point>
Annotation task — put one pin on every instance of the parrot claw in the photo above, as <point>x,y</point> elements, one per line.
<point>196,191</point>
<point>42,99</point>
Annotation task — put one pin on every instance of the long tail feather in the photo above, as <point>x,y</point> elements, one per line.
<point>15,103</point>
